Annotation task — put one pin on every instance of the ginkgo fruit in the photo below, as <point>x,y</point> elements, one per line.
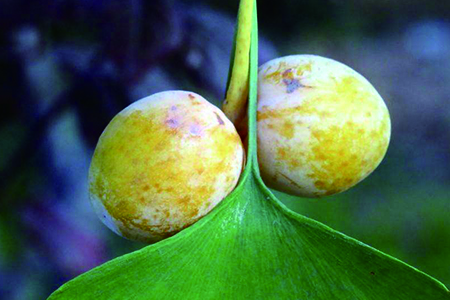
<point>322,127</point>
<point>163,163</point>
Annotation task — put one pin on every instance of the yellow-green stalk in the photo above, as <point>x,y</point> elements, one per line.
<point>237,93</point>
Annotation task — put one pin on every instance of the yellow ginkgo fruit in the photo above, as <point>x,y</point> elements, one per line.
<point>322,127</point>
<point>163,163</point>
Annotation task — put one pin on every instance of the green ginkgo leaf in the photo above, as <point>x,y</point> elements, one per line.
<point>252,247</point>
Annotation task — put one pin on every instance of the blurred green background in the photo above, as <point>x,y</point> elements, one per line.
<point>68,66</point>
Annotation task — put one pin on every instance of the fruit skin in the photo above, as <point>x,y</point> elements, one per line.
<point>322,127</point>
<point>163,163</point>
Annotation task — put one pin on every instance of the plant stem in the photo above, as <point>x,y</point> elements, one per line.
<point>237,93</point>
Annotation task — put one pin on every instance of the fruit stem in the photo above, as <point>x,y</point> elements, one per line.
<point>237,93</point>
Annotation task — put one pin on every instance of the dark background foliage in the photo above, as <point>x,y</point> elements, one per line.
<point>67,67</point>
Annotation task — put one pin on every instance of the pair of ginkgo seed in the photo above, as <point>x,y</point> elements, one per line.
<point>167,160</point>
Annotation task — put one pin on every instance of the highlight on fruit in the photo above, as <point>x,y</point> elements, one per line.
<point>322,127</point>
<point>163,163</point>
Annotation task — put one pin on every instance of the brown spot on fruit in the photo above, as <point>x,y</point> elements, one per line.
<point>292,84</point>
<point>184,200</point>
<point>219,119</point>
<point>281,152</point>
<point>290,180</point>
<point>288,130</point>
<point>193,212</point>
<point>320,184</point>
<point>172,123</point>
<point>288,74</point>
<point>295,163</point>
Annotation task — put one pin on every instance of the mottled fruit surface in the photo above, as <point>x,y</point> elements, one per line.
<point>322,127</point>
<point>163,163</point>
